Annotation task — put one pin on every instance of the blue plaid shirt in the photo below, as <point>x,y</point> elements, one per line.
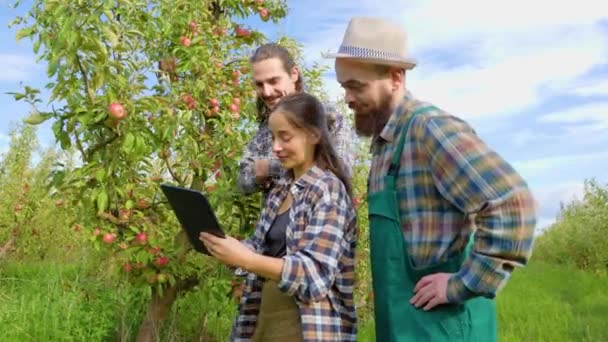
<point>319,267</point>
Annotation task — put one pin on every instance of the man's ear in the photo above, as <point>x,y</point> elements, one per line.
<point>397,78</point>
<point>294,74</point>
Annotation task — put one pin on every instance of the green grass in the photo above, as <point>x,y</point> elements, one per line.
<point>59,302</point>
<point>544,302</point>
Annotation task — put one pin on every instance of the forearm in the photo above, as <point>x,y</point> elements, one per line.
<point>246,182</point>
<point>264,266</point>
<point>503,241</point>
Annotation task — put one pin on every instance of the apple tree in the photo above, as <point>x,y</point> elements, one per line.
<point>149,92</point>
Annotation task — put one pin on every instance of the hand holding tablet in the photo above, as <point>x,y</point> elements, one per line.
<point>194,214</point>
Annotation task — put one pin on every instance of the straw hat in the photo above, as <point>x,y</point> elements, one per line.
<point>376,41</point>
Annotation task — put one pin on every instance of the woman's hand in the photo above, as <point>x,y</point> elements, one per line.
<point>228,250</point>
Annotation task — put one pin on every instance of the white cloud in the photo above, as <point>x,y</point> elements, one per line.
<point>594,113</point>
<point>16,67</point>
<point>507,60</point>
<point>540,167</point>
<point>549,198</point>
<point>600,88</point>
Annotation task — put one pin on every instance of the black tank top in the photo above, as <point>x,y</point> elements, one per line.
<point>275,242</point>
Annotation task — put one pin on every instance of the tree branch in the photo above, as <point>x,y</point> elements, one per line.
<point>97,147</point>
<point>175,177</point>
<point>86,80</point>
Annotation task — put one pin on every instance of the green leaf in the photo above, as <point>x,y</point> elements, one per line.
<point>127,145</point>
<point>112,37</point>
<point>64,140</point>
<point>37,118</point>
<point>25,32</point>
<point>36,47</point>
<point>129,205</point>
<point>100,175</point>
<point>57,127</point>
<point>17,96</point>
<point>97,80</point>
<point>102,201</point>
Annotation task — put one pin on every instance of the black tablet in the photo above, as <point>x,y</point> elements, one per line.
<point>194,214</point>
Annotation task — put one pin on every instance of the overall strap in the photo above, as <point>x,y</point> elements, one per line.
<point>392,171</point>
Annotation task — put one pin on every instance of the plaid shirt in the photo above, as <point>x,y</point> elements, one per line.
<point>260,147</point>
<point>319,266</point>
<point>451,184</point>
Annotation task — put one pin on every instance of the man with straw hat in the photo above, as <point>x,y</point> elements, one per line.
<point>449,218</point>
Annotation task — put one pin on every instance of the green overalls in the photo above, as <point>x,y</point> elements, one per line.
<point>394,278</point>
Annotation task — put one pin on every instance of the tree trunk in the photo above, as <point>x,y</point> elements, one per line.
<point>157,311</point>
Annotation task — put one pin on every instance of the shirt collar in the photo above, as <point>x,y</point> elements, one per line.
<point>397,118</point>
<point>307,179</point>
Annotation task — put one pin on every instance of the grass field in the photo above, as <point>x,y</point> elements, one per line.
<point>58,302</point>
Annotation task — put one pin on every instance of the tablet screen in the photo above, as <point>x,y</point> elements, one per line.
<point>194,214</point>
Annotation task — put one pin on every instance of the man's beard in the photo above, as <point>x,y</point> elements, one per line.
<point>372,123</point>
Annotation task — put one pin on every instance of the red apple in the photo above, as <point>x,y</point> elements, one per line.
<point>142,204</point>
<point>264,14</point>
<point>154,250</point>
<point>187,98</point>
<point>185,41</point>
<point>234,108</point>
<point>193,26</point>
<point>214,102</point>
<point>213,111</point>
<point>356,202</point>
<point>141,238</point>
<point>127,267</point>
<point>235,74</point>
<point>219,65</point>
<point>161,261</point>
<point>124,213</point>
<point>236,101</point>
<point>117,111</point>
<point>241,32</point>
<point>168,64</point>
<point>96,231</point>
<point>109,238</point>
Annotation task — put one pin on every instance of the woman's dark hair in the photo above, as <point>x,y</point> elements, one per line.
<point>306,112</point>
<point>273,50</point>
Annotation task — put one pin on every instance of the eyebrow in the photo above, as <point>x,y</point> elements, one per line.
<point>351,83</point>
<point>273,78</point>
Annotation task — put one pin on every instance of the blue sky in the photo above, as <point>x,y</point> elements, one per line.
<point>530,76</point>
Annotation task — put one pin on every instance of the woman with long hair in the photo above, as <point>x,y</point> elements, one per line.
<point>300,261</point>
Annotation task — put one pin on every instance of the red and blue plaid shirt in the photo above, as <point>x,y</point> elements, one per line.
<point>319,268</point>
<point>450,185</point>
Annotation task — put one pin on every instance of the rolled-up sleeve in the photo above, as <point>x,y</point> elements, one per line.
<point>479,182</point>
<point>310,272</point>
<point>343,137</point>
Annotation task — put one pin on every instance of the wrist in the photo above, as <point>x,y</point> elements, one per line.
<point>249,261</point>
